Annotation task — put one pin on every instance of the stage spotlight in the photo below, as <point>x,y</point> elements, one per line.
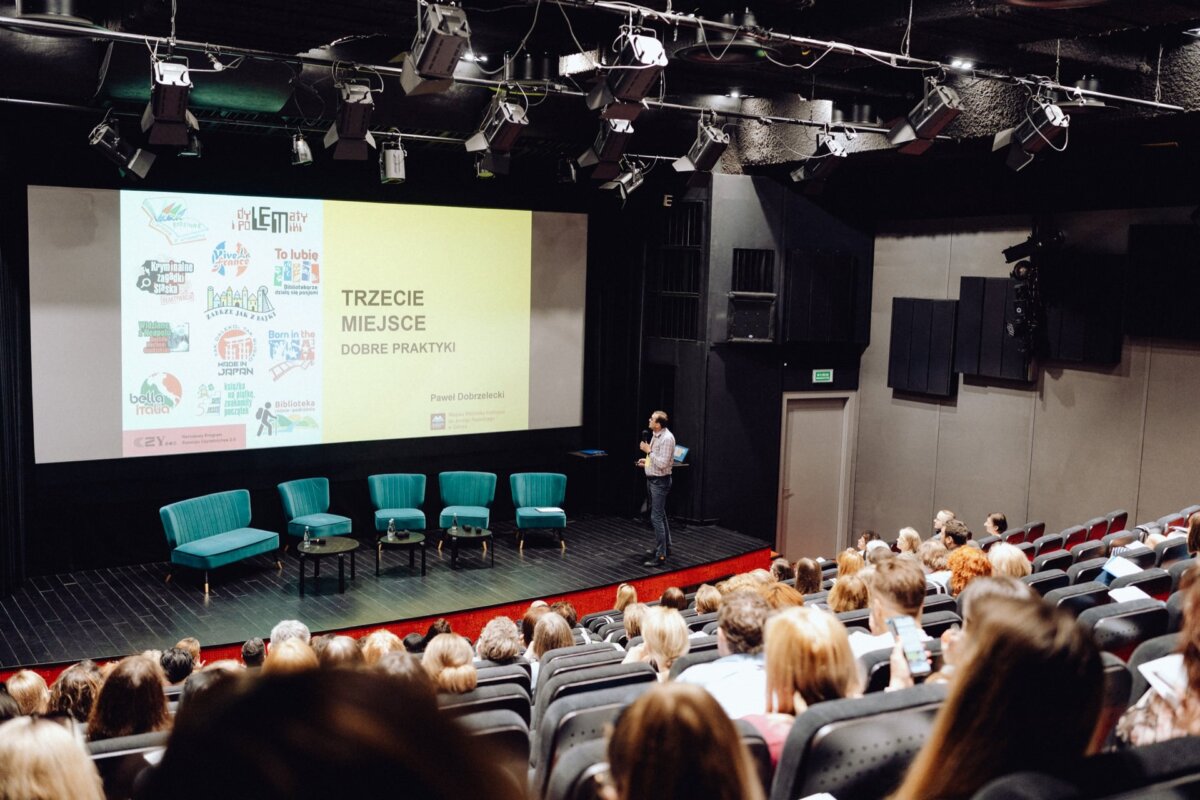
<point>391,161</point>
<point>489,165</point>
<point>710,143</point>
<point>502,124</point>
<point>301,152</point>
<point>914,134</point>
<point>1034,246</point>
<point>194,147</point>
<point>106,137</point>
<point>823,162</point>
<point>350,136</point>
<point>610,143</point>
<point>1042,127</point>
<point>166,118</point>
<point>641,60</point>
<point>442,39</point>
<point>631,177</point>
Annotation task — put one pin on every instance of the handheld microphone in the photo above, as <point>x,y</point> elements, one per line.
<point>647,436</point>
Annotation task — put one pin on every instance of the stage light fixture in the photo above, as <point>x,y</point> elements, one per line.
<point>166,118</point>
<point>631,177</point>
<point>106,137</point>
<point>194,147</point>
<point>1044,125</point>
<point>710,143</point>
<point>502,124</point>
<point>391,161</point>
<point>914,134</point>
<point>349,136</point>
<point>610,143</point>
<point>489,165</point>
<point>443,37</point>
<point>631,77</point>
<point>823,162</point>
<point>301,152</point>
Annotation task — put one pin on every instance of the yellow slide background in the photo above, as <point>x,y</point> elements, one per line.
<point>474,268</point>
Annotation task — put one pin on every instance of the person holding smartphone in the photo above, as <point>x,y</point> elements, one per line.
<point>897,589</point>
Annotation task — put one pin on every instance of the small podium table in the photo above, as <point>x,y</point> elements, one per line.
<point>330,546</point>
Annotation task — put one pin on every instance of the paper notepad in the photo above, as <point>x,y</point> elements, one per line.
<point>1127,593</point>
<point>548,509</point>
<point>1168,677</point>
<point>1119,567</point>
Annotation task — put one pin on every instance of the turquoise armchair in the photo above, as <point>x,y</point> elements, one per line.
<point>211,531</point>
<point>306,505</point>
<point>468,496</point>
<point>398,496</point>
<point>538,497</point>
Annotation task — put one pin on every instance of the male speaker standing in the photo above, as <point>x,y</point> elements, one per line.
<point>660,457</point>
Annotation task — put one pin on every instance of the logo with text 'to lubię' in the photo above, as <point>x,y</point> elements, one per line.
<point>160,393</point>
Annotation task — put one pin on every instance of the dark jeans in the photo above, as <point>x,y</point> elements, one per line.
<point>658,487</point>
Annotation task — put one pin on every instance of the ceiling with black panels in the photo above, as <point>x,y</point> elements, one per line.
<point>1117,41</point>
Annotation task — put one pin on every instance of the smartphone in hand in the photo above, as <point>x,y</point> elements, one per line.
<point>905,629</point>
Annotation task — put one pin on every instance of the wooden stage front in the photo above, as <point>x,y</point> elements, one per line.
<point>108,613</point>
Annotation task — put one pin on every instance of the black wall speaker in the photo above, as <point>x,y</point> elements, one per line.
<point>921,356</point>
<point>751,317</point>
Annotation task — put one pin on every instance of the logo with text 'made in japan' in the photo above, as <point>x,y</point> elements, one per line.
<point>169,216</point>
<point>159,393</point>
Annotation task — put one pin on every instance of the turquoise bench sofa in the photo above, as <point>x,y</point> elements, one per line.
<point>214,530</point>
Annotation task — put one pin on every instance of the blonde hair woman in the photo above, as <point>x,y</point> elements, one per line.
<point>449,661</point>
<point>849,562</point>
<point>664,639</point>
<point>808,660</point>
<point>1007,559</point>
<point>551,633</point>
<point>708,599</point>
<point>290,655</point>
<point>30,691</point>
<point>377,643</point>
<point>908,541</point>
<point>42,759</point>
<point>626,594</point>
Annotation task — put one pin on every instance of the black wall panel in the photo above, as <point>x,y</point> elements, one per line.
<point>1082,296</point>
<point>983,347</point>
<point>921,358</point>
<point>1164,274</point>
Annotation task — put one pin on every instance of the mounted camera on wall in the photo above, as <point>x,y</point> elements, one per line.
<point>1027,310</point>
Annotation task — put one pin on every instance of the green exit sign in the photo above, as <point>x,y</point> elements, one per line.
<point>822,376</point>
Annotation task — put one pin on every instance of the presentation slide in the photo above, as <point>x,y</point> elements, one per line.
<point>248,322</point>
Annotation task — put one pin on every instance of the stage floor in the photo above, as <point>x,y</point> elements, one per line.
<point>114,612</point>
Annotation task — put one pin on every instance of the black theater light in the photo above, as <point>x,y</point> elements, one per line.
<point>443,37</point>
<point>710,143</point>
<point>631,177</point>
<point>823,162</point>
<point>1045,123</point>
<point>630,78</point>
<point>301,152</point>
<point>915,132</point>
<point>610,143</point>
<point>166,118</point>
<point>350,135</point>
<point>391,161</point>
<point>502,124</point>
<point>106,137</point>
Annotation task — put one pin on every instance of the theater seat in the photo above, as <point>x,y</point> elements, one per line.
<point>1172,550</point>
<point>507,696</point>
<point>883,731</point>
<point>940,603</point>
<point>1175,612</point>
<point>580,773</point>
<point>1118,628</point>
<point>1013,535</point>
<point>1059,559</point>
<point>691,659</point>
<point>1043,582</point>
<point>517,674</point>
<point>1082,552</point>
<point>1177,569</point>
<point>1171,521</point>
<point>1086,570</point>
<point>760,753</point>
<point>1153,581</point>
<point>938,622</point>
<point>986,542</point>
<point>698,622</point>
<point>589,679</point>
<point>1079,597</point>
<point>1034,531</point>
<point>1076,534</point>
<point>1049,543</point>
<point>1096,528</point>
<point>1116,520</point>
<point>876,665</point>
<point>859,618</point>
<point>506,733</point>
<point>1117,682</point>
<point>1149,650</point>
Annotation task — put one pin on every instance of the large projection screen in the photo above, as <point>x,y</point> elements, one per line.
<point>169,322</point>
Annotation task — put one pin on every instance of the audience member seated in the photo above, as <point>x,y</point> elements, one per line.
<point>808,576</point>
<point>939,522</point>
<point>551,633</point>
<point>1193,534</point>
<point>500,642</point>
<point>42,760</point>
<point>995,524</point>
<point>897,589</point>
<point>376,643</point>
<point>318,642</point>
<point>290,629</point>
<point>415,642</point>
<point>864,539</point>
<point>934,558</point>
<point>848,594</point>
<point>877,550</point>
<point>192,645</point>
<point>664,639</point>
<point>74,691</point>
<point>1007,559</point>
<point>131,701</point>
<point>320,735</point>
<point>908,541</point>
<point>29,690</point>
<point>406,668</point>
<point>966,564</point>
<point>782,570</point>
<point>634,614</point>
<point>673,597</point>
<point>780,595</point>
<point>737,679</point>
<point>1173,710</point>
<point>449,661</point>
<point>529,625</point>
<point>293,655</point>
<point>198,683</point>
<point>808,661</point>
<point>708,599</point>
<point>762,576</point>
<point>674,743</point>
<point>341,651</point>
<point>567,610</point>
<point>253,652</point>
<point>849,562</point>
<point>626,594</point>
<point>177,665</point>
<point>955,534</point>
<point>1029,670</point>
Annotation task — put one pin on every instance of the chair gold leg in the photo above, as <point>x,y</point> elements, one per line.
<point>279,565</point>
<point>520,542</point>
<point>169,576</point>
<point>484,547</point>
<point>206,581</point>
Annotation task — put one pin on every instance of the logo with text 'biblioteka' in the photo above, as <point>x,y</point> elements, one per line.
<point>159,393</point>
<point>169,216</point>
